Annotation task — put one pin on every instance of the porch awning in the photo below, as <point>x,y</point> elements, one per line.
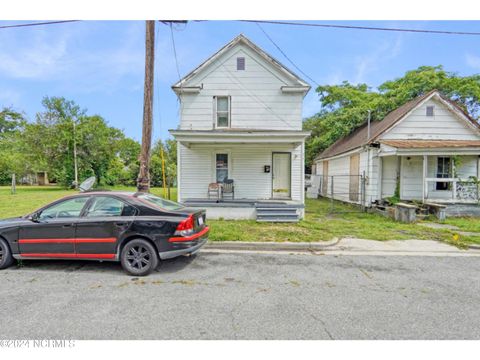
<point>420,147</point>
<point>239,136</point>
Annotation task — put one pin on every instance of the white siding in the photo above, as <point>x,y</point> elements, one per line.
<point>369,167</point>
<point>256,97</point>
<point>442,126</point>
<point>246,169</point>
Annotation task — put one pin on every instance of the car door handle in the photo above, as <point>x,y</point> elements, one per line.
<point>120,223</point>
<point>67,225</point>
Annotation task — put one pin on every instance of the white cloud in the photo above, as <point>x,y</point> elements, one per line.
<point>371,61</point>
<point>473,61</point>
<point>71,60</point>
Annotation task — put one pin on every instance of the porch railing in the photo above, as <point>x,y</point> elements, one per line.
<point>466,190</point>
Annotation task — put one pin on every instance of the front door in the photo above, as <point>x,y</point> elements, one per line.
<point>281,175</point>
<point>52,234</point>
<point>354,186</point>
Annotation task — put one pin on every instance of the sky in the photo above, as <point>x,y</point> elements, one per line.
<point>100,64</point>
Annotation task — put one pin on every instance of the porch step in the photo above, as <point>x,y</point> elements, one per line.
<point>272,213</point>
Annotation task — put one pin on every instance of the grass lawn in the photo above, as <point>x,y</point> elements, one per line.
<point>29,198</point>
<point>465,223</point>
<point>319,224</point>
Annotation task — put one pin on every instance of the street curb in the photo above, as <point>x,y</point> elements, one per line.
<point>270,246</point>
<point>474,246</point>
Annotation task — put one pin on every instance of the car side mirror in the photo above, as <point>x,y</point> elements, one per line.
<point>35,217</point>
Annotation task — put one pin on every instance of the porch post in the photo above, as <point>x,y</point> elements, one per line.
<point>454,183</point>
<point>424,175</point>
<point>379,178</point>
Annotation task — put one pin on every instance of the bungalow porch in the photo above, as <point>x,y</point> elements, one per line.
<point>440,171</point>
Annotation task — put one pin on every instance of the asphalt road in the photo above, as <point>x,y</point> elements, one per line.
<point>246,296</point>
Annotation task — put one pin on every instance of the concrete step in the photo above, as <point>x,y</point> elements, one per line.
<point>290,220</point>
<point>270,209</point>
<point>276,213</point>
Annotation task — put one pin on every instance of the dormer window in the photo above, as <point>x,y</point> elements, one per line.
<point>222,115</point>
<point>430,110</point>
<point>240,63</point>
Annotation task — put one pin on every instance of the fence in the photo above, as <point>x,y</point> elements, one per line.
<point>345,188</point>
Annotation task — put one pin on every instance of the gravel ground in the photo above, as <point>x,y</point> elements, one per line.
<point>246,296</point>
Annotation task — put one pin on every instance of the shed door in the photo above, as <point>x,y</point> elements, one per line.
<point>281,175</point>
<point>325,178</point>
<point>354,177</point>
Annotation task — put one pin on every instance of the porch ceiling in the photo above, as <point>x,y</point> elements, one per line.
<point>239,136</point>
<point>430,144</point>
<point>429,147</point>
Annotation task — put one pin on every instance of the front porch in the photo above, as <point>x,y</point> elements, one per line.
<point>242,174</point>
<point>249,209</point>
<point>447,175</point>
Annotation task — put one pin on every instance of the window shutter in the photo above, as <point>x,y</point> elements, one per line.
<point>240,63</point>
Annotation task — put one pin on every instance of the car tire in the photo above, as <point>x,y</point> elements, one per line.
<point>139,257</point>
<point>6,258</point>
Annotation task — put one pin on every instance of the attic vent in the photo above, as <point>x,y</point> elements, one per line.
<point>429,110</point>
<point>240,63</point>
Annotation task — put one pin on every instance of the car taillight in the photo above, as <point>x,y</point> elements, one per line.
<point>186,225</point>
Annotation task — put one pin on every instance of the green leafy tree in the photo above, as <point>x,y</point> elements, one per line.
<point>344,107</point>
<point>12,160</point>
<point>170,154</point>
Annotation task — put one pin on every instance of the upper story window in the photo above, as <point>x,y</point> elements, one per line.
<point>222,115</point>
<point>240,63</point>
<point>430,110</point>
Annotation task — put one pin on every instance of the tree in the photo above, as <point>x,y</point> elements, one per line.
<point>12,160</point>
<point>102,151</point>
<point>170,154</point>
<point>344,107</point>
<point>124,166</point>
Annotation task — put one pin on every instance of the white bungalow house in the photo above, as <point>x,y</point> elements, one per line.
<point>427,150</point>
<point>241,127</point>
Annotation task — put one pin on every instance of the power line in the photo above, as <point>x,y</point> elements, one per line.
<point>37,24</point>
<point>353,27</point>
<point>286,57</point>
<point>175,52</point>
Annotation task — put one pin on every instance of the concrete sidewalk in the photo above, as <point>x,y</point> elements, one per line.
<point>347,246</point>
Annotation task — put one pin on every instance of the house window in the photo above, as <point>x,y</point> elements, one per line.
<point>221,167</point>
<point>429,110</point>
<point>223,112</point>
<point>444,170</point>
<point>240,63</point>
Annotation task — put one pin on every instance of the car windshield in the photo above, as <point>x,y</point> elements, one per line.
<point>162,203</point>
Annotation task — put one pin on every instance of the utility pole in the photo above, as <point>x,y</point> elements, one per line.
<point>143,181</point>
<point>75,152</point>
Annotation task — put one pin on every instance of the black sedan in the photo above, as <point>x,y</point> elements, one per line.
<point>137,229</point>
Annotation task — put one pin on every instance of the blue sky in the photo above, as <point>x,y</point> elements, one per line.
<point>100,64</point>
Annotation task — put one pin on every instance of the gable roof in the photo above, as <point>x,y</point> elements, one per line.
<point>242,39</point>
<point>359,137</point>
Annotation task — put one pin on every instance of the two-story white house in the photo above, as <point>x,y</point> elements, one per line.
<point>241,128</point>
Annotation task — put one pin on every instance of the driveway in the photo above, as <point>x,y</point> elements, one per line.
<point>221,295</point>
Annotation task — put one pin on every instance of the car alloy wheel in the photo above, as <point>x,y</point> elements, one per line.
<point>6,258</point>
<point>139,257</point>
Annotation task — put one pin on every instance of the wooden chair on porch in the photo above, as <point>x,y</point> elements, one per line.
<point>228,189</point>
<point>214,190</point>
